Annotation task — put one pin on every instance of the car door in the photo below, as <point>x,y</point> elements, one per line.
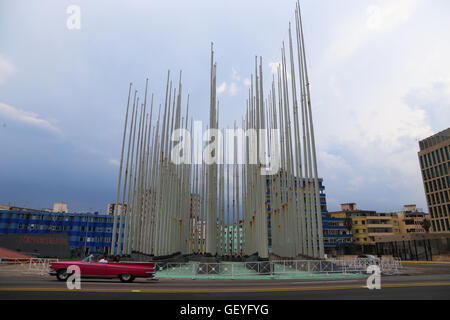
<point>114,269</point>
<point>91,269</point>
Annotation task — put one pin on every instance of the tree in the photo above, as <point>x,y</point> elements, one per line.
<point>426,225</point>
<point>348,223</point>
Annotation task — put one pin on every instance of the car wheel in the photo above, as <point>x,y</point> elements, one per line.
<point>62,275</point>
<point>126,277</point>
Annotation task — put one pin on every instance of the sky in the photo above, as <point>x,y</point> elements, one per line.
<point>379,73</point>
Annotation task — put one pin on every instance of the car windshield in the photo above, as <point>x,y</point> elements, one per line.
<point>88,259</point>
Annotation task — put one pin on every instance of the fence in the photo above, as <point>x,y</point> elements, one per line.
<point>388,266</point>
<point>241,270</point>
<point>270,269</point>
<point>29,265</point>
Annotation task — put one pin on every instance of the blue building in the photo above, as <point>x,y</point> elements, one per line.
<point>335,235</point>
<point>88,233</point>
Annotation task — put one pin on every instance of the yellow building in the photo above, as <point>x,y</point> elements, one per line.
<point>366,225</point>
<point>411,219</point>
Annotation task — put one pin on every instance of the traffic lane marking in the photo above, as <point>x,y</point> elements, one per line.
<point>229,290</point>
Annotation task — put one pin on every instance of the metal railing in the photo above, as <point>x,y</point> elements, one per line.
<point>39,266</point>
<point>235,270</point>
<point>388,266</point>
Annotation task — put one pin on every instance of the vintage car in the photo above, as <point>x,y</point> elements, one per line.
<point>89,268</point>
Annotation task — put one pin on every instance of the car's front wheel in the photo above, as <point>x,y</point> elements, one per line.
<point>62,275</point>
<point>126,277</point>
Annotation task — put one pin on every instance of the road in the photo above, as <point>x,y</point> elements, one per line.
<point>412,286</point>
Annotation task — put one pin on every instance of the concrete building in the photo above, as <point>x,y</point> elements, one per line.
<point>60,207</point>
<point>366,225</point>
<point>411,219</point>
<point>110,209</point>
<point>87,232</point>
<point>434,159</point>
<point>15,208</point>
<point>232,245</point>
<point>336,238</point>
<point>198,229</point>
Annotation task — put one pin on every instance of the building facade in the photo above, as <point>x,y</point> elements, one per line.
<point>411,219</point>
<point>366,225</point>
<point>112,208</point>
<point>231,238</point>
<point>434,159</point>
<point>88,233</point>
<point>60,207</point>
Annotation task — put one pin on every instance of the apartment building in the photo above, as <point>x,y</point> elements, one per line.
<point>366,224</point>
<point>411,219</point>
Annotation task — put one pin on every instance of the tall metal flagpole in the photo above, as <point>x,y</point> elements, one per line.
<point>211,220</point>
<point>113,240</point>
<point>123,205</point>
<point>316,179</point>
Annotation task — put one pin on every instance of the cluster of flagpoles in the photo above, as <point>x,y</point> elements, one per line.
<point>216,208</point>
<point>146,217</point>
<point>289,200</point>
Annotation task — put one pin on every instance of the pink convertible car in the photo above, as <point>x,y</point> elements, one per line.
<point>126,272</point>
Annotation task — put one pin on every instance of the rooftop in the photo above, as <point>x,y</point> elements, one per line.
<point>435,139</point>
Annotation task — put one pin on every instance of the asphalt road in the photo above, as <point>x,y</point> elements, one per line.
<point>404,287</point>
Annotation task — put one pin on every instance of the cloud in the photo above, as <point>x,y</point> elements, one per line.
<point>114,162</point>
<point>7,69</point>
<point>247,82</point>
<point>392,13</point>
<point>222,88</point>
<point>376,93</point>
<point>26,117</point>
<point>378,19</point>
<point>235,76</point>
<point>274,66</point>
<point>233,89</point>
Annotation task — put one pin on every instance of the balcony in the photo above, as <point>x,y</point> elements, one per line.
<point>380,234</point>
<point>380,226</point>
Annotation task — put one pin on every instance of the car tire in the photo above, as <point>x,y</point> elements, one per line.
<point>126,277</point>
<point>62,275</point>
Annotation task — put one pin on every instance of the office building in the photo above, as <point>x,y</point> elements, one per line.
<point>434,159</point>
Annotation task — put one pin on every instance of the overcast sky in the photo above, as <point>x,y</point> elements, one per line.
<point>380,80</point>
